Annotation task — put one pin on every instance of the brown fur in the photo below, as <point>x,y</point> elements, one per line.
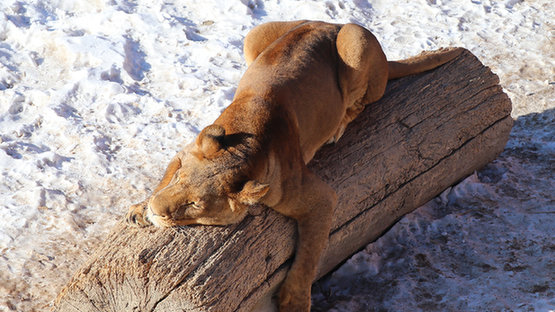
<point>305,82</point>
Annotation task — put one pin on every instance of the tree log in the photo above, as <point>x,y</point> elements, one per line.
<point>428,132</point>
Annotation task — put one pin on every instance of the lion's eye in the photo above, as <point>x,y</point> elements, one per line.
<point>175,179</point>
<point>188,205</point>
<point>192,205</point>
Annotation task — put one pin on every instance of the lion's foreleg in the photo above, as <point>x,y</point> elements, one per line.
<point>317,203</point>
<point>172,168</point>
<point>136,213</point>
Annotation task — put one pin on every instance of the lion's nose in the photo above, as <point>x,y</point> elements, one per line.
<point>157,207</point>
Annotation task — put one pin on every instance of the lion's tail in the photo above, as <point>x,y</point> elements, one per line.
<point>422,62</point>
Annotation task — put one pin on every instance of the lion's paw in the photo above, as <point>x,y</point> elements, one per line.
<point>294,298</point>
<point>136,215</point>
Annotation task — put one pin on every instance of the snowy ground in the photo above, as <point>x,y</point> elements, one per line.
<point>96,96</point>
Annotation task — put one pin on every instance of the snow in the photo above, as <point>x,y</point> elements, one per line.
<point>97,96</point>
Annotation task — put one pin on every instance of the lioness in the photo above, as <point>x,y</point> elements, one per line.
<point>305,82</point>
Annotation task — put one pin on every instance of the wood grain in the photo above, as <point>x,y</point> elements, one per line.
<point>428,132</point>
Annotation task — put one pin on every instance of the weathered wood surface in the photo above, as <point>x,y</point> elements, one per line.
<point>427,132</point>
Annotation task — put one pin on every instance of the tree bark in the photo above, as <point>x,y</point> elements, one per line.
<point>428,132</point>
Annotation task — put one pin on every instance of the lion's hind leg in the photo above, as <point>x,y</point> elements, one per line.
<point>363,71</point>
<point>260,37</point>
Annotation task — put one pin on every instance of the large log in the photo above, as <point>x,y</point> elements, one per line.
<point>427,132</point>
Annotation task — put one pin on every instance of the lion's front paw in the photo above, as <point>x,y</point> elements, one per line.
<point>136,215</point>
<point>294,298</point>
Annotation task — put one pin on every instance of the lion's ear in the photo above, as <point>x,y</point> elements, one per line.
<point>252,192</point>
<point>209,141</point>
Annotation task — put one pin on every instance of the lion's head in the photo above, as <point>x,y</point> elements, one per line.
<point>212,186</point>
